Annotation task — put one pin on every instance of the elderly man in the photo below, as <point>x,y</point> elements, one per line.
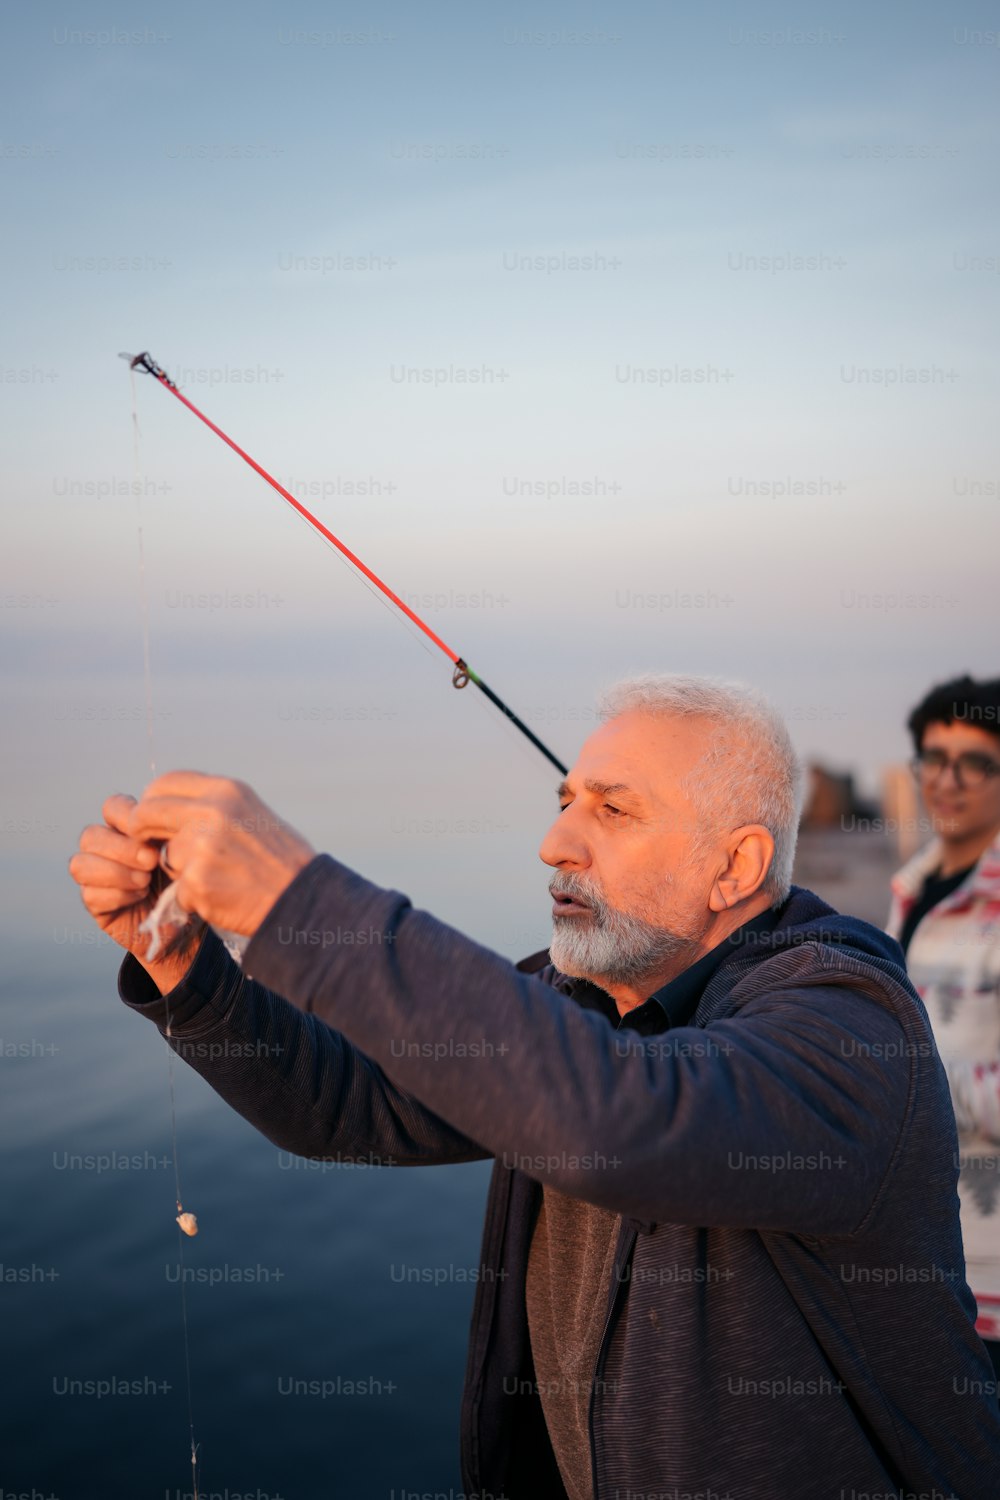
<point>724,1195</point>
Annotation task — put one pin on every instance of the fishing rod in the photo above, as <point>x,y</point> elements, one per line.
<point>167,909</point>
<point>463,674</point>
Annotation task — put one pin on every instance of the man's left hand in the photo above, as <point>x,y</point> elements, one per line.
<point>231,856</point>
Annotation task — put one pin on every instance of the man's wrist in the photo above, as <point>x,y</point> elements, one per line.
<point>177,956</point>
<point>147,983</point>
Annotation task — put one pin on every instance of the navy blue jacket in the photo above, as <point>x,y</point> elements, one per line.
<point>788,1317</point>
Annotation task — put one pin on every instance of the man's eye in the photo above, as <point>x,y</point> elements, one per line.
<point>973,761</point>
<point>616,810</point>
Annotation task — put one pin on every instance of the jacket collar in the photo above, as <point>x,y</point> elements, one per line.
<point>982,881</point>
<point>679,999</point>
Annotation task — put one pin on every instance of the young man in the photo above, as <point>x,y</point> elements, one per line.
<point>722,1250</point>
<point>946,915</point>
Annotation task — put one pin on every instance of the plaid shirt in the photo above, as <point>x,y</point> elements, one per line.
<point>954,963</point>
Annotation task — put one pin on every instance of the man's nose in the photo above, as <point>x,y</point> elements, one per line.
<point>564,844</point>
<point>948,775</point>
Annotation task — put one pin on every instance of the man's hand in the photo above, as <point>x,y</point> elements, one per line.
<point>231,856</point>
<point>119,883</point>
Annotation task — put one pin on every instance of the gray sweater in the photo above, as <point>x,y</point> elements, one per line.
<point>788,1317</point>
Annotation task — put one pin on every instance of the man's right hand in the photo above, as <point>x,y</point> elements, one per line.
<point>115,874</point>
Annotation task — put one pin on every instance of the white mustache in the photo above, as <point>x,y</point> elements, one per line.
<point>577,890</point>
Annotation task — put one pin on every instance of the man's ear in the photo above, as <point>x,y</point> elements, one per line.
<point>751,851</point>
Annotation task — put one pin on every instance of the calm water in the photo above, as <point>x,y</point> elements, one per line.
<point>306,1266</point>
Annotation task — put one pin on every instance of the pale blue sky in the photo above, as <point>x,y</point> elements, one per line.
<point>199,188</point>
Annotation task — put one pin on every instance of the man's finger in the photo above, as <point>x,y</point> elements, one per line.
<point>159,817</point>
<point>116,810</point>
<point>118,846</point>
<point>94,869</point>
<point>185,784</point>
<point>100,901</point>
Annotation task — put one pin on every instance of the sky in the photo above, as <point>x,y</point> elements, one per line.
<point>645,337</point>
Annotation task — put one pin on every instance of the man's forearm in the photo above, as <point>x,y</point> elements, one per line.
<point>301,1084</point>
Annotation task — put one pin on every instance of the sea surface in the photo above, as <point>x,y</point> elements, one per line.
<point>327,1307</point>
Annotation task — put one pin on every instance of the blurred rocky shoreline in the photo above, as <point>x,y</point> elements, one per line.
<point>850,846</point>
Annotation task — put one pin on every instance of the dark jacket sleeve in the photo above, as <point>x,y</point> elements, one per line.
<point>301,1084</point>
<point>784,1116</point>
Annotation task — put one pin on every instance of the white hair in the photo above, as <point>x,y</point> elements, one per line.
<point>749,772</point>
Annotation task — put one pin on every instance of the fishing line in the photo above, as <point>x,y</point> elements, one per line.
<point>184,1220</point>
<point>463,674</point>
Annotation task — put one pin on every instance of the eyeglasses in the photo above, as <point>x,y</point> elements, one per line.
<point>971,768</point>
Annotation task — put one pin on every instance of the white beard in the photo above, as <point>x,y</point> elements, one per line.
<point>610,945</point>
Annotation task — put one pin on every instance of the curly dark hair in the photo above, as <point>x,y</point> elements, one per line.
<point>965,700</point>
